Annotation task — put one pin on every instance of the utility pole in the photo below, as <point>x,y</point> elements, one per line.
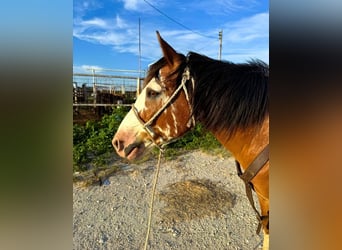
<point>220,39</point>
<point>138,80</point>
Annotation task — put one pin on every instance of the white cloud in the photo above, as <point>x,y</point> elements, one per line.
<point>131,4</point>
<point>134,5</point>
<point>247,29</point>
<point>221,7</point>
<point>120,23</point>
<point>140,5</point>
<point>95,22</point>
<point>87,69</point>
<point>110,38</point>
<point>112,32</point>
<point>81,7</point>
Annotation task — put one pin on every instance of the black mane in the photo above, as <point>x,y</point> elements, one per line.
<point>227,95</point>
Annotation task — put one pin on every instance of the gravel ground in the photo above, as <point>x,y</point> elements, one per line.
<point>114,215</point>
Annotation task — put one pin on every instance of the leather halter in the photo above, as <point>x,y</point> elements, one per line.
<point>147,125</point>
<point>247,177</point>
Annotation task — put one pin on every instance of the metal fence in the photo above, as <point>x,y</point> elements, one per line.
<point>106,87</point>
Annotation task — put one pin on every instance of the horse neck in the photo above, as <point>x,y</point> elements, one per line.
<point>245,144</point>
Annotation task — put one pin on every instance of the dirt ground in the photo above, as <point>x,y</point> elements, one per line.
<point>200,204</point>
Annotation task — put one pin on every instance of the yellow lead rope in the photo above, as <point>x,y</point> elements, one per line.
<point>152,200</point>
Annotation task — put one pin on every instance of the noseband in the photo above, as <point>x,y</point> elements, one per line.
<point>147,125</point>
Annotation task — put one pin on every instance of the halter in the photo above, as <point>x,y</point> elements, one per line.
<point>147,125</point>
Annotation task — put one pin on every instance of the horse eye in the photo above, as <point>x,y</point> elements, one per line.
<point>152,94</point>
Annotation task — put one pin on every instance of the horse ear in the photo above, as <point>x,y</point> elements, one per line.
<point>170,55</point>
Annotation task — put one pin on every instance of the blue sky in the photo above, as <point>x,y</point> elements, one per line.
<point>106,32</point>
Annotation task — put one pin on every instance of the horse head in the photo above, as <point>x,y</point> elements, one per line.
<point>162,111</point>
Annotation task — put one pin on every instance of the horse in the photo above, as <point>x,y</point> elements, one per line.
<point>228,99</point>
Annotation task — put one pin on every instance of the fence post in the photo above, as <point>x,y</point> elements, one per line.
<point>138,86</point>
<point>94,88</point>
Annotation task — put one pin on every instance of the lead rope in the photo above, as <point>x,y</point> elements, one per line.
<point>155,180</point>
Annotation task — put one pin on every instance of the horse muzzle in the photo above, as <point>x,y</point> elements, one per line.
<point>128,147</point>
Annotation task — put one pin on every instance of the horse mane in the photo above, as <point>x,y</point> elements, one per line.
<point>228,96</point>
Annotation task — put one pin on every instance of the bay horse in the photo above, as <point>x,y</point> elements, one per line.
<point>228,99</point>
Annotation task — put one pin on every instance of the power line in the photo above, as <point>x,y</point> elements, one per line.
<point>175,21</point>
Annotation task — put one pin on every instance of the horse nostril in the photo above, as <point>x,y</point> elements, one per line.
<point>118,145</point>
